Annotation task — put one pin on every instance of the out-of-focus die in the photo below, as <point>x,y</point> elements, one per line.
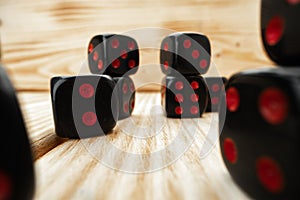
<point>280,30</point>
<point>16,163</point>
<point>260,139</point>
<point>185,53</point>
<point>113,55</point>
<point>184,97</point>
<point>84,106</point>
<point>126,92</point>
<point>216,86</point>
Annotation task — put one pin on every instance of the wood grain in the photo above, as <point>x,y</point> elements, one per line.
<point>78,169</point>
<point>46,38</point>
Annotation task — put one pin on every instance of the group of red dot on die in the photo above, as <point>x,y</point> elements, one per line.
<point>195,54</point>
<point>273,106</point>
<point>179,86</point>
<point>275,27</point>
<point>215,88</point>
<point>125,91</point>
<point>115,44</point>
<point>87,91</point>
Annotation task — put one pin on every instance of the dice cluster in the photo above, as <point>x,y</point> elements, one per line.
<point>16,164</point>
<point>90,105</point>
<point>260,138</point>
<point>184,57</point>
<point>117,56</point>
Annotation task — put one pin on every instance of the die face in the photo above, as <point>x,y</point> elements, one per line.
<point>267,98</point>
<point>264,167</point>
<point>97,53</point>
<point>126,92</point>
<point>258,149</point>
<point>188,54</point>
<point>216,87</point>
<point>168,54</point>
<point>16,164</point>
<point>84,106</point>
<point>184,97</point>
<point>116,55</point>
<point>280,31</point>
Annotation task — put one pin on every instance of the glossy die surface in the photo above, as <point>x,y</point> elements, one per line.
<point>260,139</point>
<point>280,30</point>
<point>216,87</point>
<point>84,106</point>
<point>113,55</point>
<point>184,97</point>
<point>126,92</point>
<point>16,164</point>
<point>186,53</point>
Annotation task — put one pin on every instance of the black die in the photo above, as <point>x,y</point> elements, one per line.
<point>260,138</point>
<point>84,106</point>
<point>216,87</point>
<point>16,164</point>
<point>185,53</point>
<point>280,30</point>
<point>113,55</point>
<point>126,91</point>
<point>184,97</point>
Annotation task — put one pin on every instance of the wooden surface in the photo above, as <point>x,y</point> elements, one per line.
<point>50,37</point>
<point>66,169</point>
<point>41,39</point>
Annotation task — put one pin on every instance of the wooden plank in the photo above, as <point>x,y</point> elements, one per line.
<point>46,38</point>
<point>37,112</point>
<point>90,168</point>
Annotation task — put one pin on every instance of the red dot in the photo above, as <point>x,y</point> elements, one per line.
<point>203,64</point>
<point>95,56</point>
<point>179,85</point>
<point>166,65</point>
<point>131,45</point>
<point>195,85</point>
<point>166,46</point>
<point>274,30</point>
<point>124,54</point>
<point>179,98</point>
<point>131,64</point>
<point>100,64</point>
<point>91,47</point>
<point>230,150</point>
<point>273,105</point>
<point>5,186</point>
<point>178,110</point>
<point>187,43</point>
<point>194,97</point>
<point>132,88</point>
<point>215,87</point>
<point>194,110</point>
<point>214,100</point>
<point>89,118</point>
<point>125,107</point>
<point>195,54</point>
<point>86,90</point>
<point>116,63</point>
<point>115,43</point>
<point>125,88</point>
<point>132,104</point>
<point>232,99</point>
<point>293,2</point>
<point>270,174</point>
